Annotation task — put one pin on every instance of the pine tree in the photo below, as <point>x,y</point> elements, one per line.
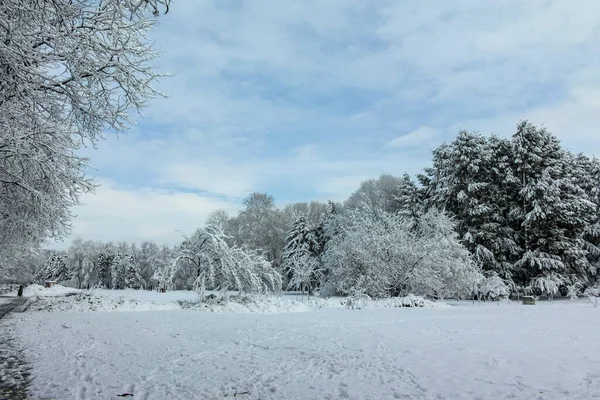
<point>498,231</point>
<point>104,263</point>
<point>467,181</point>
<point>55,269</point>
<point>117,271</point>
<point>552,210</point>
<point>133,279</point>
<point>301,256</point>
<point>409,200</point>
<point>586,173</point>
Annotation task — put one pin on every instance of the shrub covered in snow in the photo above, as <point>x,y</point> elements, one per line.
<point>385,255</point>
<point>244,303</point>
<point>493,287</point>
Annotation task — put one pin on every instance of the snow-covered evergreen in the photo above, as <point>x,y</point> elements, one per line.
<point>55,269</point>
<point>469,180</point>
<point>552,210</point>
<point>133,279</point>
<point>301,256</point>
<point>409,199</point>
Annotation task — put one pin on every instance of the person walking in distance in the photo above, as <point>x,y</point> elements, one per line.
<point>20,292</point>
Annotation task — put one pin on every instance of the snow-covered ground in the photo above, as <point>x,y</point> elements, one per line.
<point>59,298</point>
<point>147,295</point>
<point>5,300</point>
<point>489,351</point>
<point>39,290</point>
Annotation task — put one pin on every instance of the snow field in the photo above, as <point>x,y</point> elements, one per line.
<point>142,300</point>
<point>39,290</point>
<point>547,351</point>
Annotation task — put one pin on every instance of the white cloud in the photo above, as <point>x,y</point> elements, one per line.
<point>115,214</point>
<point>218,177</point>
<point>574,120</point>
<point>421,136</point>
<point>277,96</point>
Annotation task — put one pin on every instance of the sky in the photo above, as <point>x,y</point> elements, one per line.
<point>305,99</point>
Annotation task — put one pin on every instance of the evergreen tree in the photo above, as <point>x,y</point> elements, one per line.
<point>409,199</point>
<point>133,280</point>
<point>105,262</point>
<point>301,256</point>
<point>552,210</point>
<point>498,231</point>
<point>55,269</point>
<point>468,182</point>
<point>586,173</point>
<point>117,271</point>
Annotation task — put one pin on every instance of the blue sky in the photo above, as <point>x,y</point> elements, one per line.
<point>305,99</point>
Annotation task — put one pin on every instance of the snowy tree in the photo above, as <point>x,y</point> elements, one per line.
<point>375,195</point>
<point>20,262</point>
<point>547,284</point>
<point>220,266</point>
<point>81,257</point>
<point>388,256</point>
<point>133,280</point>
<point>301,257</point>
<point>55,269</point>
<point>332,223</point>
<point>104,262</point>
<point>313,211</point>
<point>118,267</point>
<point>493,287</point>
<point>218,218</point>
<point>70,70</point>
<point>552,209</point>
<point>149,260</point>
<point>409,199</point>
<point>162,276</point>
<point>585,172</point>
<point>470,179</point>
<point>261,226</point>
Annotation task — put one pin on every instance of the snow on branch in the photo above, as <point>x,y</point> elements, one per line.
<point>69,70</point>
<point>391,256</point>
<point>219,266</point>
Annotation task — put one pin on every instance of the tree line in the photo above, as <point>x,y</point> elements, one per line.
<point>489,216</point>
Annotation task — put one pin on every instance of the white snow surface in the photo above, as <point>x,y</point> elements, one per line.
<point>142,300</point>
<point>41,291</point>
<point>4,300</point>
<point>483,351</point>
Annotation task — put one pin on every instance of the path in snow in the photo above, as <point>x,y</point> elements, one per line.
<point>14,372</point>
<point>542,352</point>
